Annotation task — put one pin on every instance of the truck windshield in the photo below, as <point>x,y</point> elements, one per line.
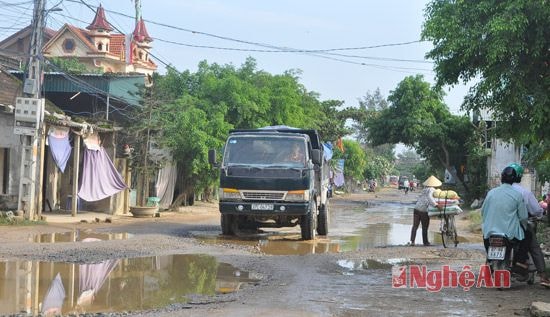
<point>265,151</point>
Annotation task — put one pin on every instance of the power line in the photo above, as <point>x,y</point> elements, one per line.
<point>272,47</point>
<point>20,12</point>
<point>258,43</point>
<point>118,30</point>
<point>288,51</point>
<point>17,4</point>
<point>317,53</point>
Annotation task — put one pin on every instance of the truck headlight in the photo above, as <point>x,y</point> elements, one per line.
<point>297,195</point>
<point>229,193</point>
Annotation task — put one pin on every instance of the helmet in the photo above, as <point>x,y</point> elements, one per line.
<point>508,175</point>
<point>519,171</point>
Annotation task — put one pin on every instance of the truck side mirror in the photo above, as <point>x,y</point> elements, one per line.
<point>316,156</point>
<point>212,157</point>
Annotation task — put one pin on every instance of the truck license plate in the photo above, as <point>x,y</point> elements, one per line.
<point>496,253</point>
<point>262,206</point>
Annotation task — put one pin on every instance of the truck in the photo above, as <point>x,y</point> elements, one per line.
<point>273,177</point>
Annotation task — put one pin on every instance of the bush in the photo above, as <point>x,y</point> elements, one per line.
<point>475,220</point>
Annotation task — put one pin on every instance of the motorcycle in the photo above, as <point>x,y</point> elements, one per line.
<point>372,187</point>
<point>500,255</point>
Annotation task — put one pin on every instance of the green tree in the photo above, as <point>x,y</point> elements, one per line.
<point>369,106</point>
<point>192,127</point>
<point>377,166</point>
<point>198,110</point>
<point>355,160</point>
<point>379,158</point>
<point>504,48</point>
<point>332,121</point>
<point>70,65</point>
<point>406,162</point>
<point>418,118</point>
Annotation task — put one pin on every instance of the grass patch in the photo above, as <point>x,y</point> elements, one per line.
<point>474,216</point>
<point>18,221</point>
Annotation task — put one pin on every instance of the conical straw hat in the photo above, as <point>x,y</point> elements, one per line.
<point>432,181</point>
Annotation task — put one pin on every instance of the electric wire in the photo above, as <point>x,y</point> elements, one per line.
<point>322,53</point>
<point>256,43</point>
<point>18,18</point>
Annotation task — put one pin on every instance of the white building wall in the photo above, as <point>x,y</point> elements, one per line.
<point>503,153</point>
<point>13,143</point>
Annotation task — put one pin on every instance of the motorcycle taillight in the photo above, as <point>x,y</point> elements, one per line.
<point>496,242</point>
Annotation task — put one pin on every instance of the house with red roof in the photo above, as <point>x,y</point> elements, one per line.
<point>97,46</point>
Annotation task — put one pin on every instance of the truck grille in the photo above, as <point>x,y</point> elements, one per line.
<point>263,195</point>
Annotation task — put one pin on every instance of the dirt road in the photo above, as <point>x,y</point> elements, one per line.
<point>179,264</point>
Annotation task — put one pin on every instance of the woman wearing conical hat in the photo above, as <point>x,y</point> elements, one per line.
<point>420,215</point>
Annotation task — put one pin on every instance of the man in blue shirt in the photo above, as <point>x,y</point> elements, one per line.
<point>502,212</point>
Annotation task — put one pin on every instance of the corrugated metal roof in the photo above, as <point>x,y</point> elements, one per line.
<point>122,87</point>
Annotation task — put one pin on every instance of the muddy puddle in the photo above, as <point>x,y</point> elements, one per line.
<point>279,243</point>
<point>369,264</point>
<point>119,285</point>
<point>380,224</point>
<point>77,235</point>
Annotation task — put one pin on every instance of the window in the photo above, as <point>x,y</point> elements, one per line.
<point>68,45</point>
<point>100,46</point>
<point>107,47</point>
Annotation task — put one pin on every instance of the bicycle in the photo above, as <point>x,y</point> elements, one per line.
<point>448,229</point>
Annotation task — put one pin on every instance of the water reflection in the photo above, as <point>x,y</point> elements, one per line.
<point>278,243</point>
<point>379,235</point>
<point>77,235</point>
<point>380,225</point>
<point>51,288</point>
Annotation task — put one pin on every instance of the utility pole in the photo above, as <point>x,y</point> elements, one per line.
<point>137,4</point>
<point>29,117</point>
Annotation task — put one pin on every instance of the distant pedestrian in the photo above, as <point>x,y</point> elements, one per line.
<point>420,215</point>
<point>406,185</point>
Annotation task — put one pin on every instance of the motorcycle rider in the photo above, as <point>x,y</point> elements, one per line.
<point>534,210</point>
<point>502,212</point>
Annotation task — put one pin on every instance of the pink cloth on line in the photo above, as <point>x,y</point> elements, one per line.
<point>100,179</point>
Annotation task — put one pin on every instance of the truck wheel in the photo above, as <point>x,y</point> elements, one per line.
<point>307,223</point>
<point>322,219</point>
<point>227,224</point>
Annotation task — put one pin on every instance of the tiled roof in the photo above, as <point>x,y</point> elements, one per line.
<point>84,36</point>
<point>140,33</point>
<point>100,22</point>
<point>48,34</point>
<point>117,45</point>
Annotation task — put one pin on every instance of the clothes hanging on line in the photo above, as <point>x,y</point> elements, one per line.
<point>100,179</point>
<point>60,148</point>
<point>92,141</point>
<point>166,182</point>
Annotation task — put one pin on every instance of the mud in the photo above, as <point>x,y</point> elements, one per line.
<point>347,273</point>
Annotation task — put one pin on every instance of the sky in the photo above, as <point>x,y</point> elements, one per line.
<point>291,24</point>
